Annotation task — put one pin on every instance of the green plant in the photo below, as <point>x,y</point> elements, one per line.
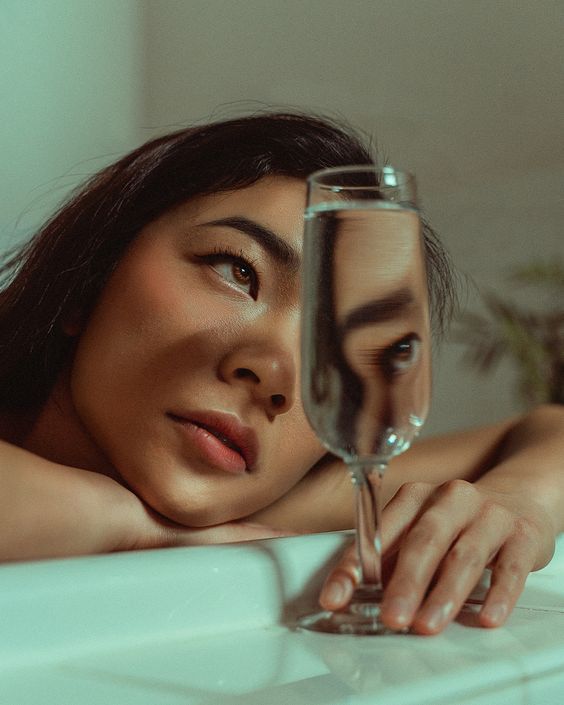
<point>533,339</point>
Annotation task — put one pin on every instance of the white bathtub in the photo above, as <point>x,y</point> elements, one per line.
<point>207,625</point>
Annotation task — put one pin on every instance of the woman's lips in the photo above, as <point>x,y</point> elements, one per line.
<point>220,439</point>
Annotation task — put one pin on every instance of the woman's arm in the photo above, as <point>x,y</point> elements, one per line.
<point>49,510</point>
<point>526,451</point>
<point>323,499</point>
<point>531,463</point>
<point>489,497</point>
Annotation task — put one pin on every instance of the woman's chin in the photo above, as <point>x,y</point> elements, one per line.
<point>196,514</point>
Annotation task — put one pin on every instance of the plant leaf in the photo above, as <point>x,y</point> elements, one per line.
<point>543,274</point>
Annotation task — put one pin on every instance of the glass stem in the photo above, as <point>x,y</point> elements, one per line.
<point>367,479</point>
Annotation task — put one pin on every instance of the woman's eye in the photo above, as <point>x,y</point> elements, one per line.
<point>235,271</point>
<point>403,355</point>
<point>395,359</point>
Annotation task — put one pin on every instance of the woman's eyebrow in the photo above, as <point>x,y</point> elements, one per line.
<point>378,310</point>
<point>278,248</point>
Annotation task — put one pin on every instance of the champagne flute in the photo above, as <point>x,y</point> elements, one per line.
<point>366,360</point>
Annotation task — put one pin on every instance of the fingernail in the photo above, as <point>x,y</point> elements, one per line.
<point>334,593</point>
<point>433,617</point>
<point>495,613</point>
<point>399,609</point>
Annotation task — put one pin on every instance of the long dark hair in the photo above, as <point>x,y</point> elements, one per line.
<point>65,266</point>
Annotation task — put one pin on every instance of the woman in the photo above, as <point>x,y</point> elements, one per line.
<point>148,384</point>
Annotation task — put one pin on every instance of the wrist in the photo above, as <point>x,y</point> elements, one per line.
<point>115,514</point>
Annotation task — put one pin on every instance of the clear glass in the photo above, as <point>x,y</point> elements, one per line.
<point>366,358</point>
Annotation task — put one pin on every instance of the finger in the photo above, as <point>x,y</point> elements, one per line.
<point>341,582</point>
<point>459,572</point>
<point>514,563</point>
<point>401,512</point>
<point>397,516</point>
<point>463,566</point>
<point>423,549</point>
<point>417,563</point>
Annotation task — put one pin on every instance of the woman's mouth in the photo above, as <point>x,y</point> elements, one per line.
<point>220,439</point>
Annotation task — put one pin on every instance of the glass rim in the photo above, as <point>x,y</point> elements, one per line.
<point>406,174</point>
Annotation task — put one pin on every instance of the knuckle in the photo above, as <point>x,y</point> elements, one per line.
<point>492,512</point>
<point>464,555</point>
<point>458,489</point>
<point>525,528</point>
<point>413,490</point>
<point>510,570</point>
<point>428,532</point>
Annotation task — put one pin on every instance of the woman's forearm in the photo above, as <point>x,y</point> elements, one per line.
<point>321,501</point>
<point>49,510</point>
<point>525,454</point>
<point>531,462</point>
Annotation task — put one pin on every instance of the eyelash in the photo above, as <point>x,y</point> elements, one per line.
<point>219,254</point>
<point>383,357</point>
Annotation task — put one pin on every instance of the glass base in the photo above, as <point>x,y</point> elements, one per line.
<point>361,617</point>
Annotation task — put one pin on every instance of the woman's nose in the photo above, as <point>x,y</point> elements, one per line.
<point>268,374</point>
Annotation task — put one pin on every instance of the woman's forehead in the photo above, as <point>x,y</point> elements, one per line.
<point>278,200</point>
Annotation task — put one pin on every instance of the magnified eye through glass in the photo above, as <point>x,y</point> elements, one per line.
<point>365,347</point>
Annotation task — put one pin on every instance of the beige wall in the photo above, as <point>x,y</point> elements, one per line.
<point>468,94</point>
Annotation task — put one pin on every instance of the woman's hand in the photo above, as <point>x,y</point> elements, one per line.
<point>147,529</point>
<point>49,511</point>
<point>437,541</point>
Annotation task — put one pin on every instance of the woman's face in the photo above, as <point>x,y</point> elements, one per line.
<point>185,377</point>
<point>381,307</point>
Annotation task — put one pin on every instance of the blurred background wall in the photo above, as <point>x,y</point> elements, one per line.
<point>71,87</point>
<point>467,94</point>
